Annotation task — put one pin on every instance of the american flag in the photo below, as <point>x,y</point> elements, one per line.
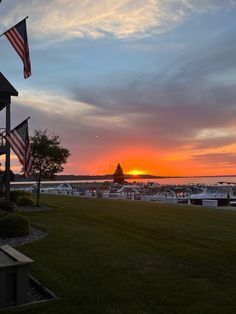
<point>18,139</point>
<point>17,35</point>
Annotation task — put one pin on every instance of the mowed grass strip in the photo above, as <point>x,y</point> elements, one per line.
<point>108,256</point>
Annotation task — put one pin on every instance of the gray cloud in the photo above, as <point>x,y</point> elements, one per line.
<point>214,143</point>
<point>177,103</point>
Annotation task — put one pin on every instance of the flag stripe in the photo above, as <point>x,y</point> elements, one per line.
<point>14,37</point>
<point>18,37</point>
<point>16,142</point>
<point>18,139</point>
<point>14,44</point>
<point>16,147</point>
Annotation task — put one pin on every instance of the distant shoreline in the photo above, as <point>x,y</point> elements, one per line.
<point>110,177</point>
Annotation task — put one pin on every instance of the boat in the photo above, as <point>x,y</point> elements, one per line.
<point>64,188</point>
<point>221,194</point>
<point>166,195</point>
<point>125,192</point>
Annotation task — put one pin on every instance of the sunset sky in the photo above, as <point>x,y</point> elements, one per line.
<point>150,84</point>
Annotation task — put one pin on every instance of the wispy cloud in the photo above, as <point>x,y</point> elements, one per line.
<point>216,159</point>
<point>65,19</point>
<point>51,103</point>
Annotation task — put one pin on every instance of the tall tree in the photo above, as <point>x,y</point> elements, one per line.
<point>118,175</point>
<point>48,157</point>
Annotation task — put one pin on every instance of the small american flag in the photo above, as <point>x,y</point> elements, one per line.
<point>18,139</point>
<point>17,35</point>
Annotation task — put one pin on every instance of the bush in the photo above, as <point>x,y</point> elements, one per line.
<point>24,200</point>
<point>17,193</point>
<point>14,225</point>
<point>7,206</point>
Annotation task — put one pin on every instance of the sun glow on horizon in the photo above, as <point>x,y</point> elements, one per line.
<point>136,172</point>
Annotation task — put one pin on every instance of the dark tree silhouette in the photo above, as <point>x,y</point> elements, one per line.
<point>118,175</point>
<point>48,157</point>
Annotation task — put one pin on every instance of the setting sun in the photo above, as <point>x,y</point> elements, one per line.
<point>136,172</point>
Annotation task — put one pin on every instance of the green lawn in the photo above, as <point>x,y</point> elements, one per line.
<point>108,256</point>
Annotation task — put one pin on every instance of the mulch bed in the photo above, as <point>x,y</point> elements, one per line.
<point>36,234</point>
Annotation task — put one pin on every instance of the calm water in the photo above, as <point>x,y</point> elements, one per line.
<point>188,180</point>
<point>194,180</point>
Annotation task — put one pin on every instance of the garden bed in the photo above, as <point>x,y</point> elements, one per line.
<point>36,234</point>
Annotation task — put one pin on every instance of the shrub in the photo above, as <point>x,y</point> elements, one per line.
<point>17,193</point>
<point>7,206</point>
<point>14,225</point>
<point>24,200</point>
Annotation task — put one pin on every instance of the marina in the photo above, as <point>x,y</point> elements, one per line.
<point>211,195</point>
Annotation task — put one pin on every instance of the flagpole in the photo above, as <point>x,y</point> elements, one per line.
<point>14,26</point>
<point>8,156</point>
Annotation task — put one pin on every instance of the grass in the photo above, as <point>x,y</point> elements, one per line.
<point>108,256</point>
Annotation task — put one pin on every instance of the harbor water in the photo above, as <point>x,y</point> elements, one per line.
<point>162,181</point>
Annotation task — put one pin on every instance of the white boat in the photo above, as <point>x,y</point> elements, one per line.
<point>215,195</point>
<point>64,189</point>
<point>125,192</point>
<point>165,196</point>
